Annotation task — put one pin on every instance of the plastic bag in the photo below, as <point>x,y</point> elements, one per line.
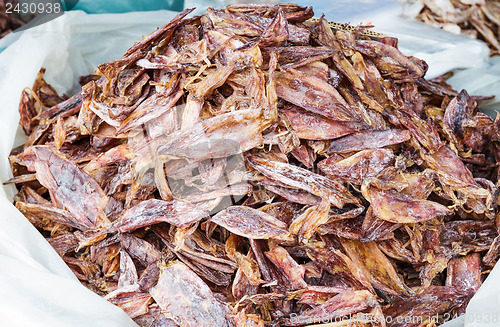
<point>121,6</point>
<point>481,81</point>
<point>37,288</point>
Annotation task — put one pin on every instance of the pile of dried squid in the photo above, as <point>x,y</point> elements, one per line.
<point>254,167</point>
<point>476,18</point>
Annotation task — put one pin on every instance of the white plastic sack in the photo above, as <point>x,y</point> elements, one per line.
<point>36,286</point>
<point>481,81</point>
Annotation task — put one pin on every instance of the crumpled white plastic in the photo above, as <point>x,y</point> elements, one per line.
<point>483,81</point>
<point>36,286</point>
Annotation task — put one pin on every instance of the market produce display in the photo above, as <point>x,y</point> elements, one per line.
<point>255,167</point>
<point>476,18</point>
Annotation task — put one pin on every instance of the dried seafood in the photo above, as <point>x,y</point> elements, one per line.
<point>253,167</point>
<point>476,18</point>
<point>10,19</point>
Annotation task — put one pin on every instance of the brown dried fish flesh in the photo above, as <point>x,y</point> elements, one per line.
<point>253,167</point>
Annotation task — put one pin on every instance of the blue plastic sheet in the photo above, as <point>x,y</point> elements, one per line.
<point>123,6</point>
